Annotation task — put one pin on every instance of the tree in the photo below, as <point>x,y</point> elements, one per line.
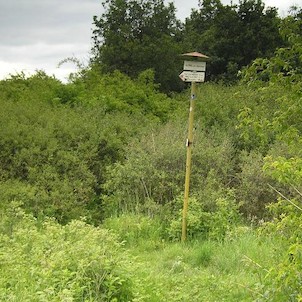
<point>132,36</point>
<point>286,64</point>
<point>259,30</point>
<point>233,35</point>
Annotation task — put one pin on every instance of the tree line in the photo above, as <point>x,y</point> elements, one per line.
<point>132,36</point>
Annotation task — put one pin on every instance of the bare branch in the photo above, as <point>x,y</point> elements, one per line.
<point>285,197</point>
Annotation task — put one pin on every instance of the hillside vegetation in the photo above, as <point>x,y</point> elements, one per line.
<point>92,180</point>
<point>120,164</point>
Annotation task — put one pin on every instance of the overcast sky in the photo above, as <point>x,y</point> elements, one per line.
<point>38,34</point>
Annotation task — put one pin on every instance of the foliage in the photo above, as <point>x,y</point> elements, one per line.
<point>49,149</point>
<point>272,117</point>
<point>284,170</point>
<point>136,229</point>
<point>254,132</point>
<point>40,86</point>
<point>44,261</point>
<point>121,137</point>
<point>56,146</point>
<point>286,64</point>
<point>253,189</point>
<point>235,127</point>
<point>116,92</point>
<point>283,281</point>
<point>152,171</point>
<point>282,163</point>
<point>233,35</point>
<point>132,36</point>
<point>111,147</point>
<point>209,218</point>
<point>218,106</point>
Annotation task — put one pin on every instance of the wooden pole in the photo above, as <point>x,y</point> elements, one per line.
<point>188,162</point>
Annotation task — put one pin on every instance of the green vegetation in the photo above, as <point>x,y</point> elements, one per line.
<point>92,176</point>
<point>44,261</point>
<point>120,164</point>
<point>132,36</point>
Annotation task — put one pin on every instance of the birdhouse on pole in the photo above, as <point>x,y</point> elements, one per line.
<point>194,67</point>
<point>194,72</point>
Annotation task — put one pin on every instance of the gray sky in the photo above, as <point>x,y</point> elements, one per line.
<point>38,34</point>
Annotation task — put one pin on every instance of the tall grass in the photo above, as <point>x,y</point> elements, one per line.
<point>200,270</point>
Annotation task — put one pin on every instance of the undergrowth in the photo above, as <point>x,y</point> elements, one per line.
<point>232,269</point>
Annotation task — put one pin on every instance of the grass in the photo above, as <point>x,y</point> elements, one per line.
<point>231,270</point>
<point>46,261</point>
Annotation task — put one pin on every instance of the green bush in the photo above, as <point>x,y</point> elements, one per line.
<point>50,150</point>
<point>210,218</point>
<point>283,282</point>
<point>152,172</point>
<point>116,92</point>
<point>252,188</point>
<point>154,168</point>
<point>58,139</point>
<point>44,261</point>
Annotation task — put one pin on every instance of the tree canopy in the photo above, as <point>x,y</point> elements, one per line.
<point>132,36</point>
<point>233,35</point>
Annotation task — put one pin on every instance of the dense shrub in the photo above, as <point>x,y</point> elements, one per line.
<point>152,170</point>
<point>57,140</point>
<point>209,218</point>
<point>44,261</point>
<point>253,185</point>
<point>50,150</point>
<point>283,281</point>
<point>116,92</point>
